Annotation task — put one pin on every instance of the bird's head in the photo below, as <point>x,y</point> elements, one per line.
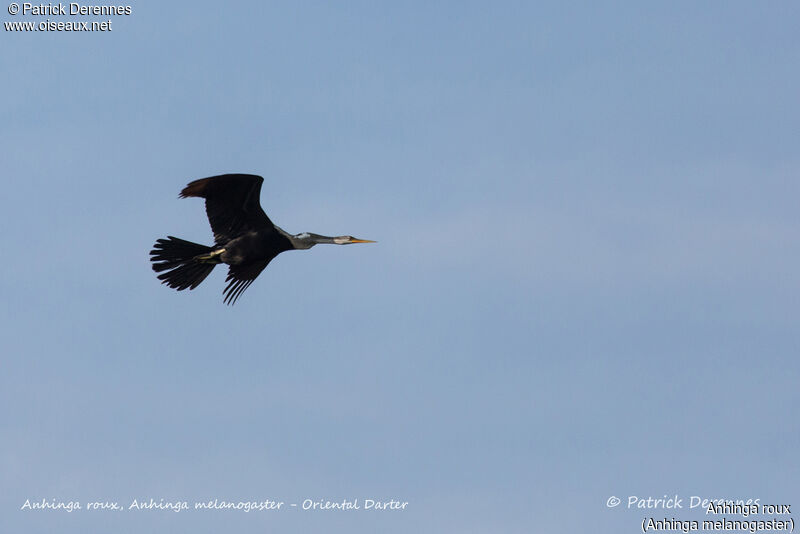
<point>348,239</point>
<point>307,240</point>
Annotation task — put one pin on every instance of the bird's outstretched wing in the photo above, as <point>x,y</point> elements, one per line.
<point>240,278</point>
<point>232,204</point>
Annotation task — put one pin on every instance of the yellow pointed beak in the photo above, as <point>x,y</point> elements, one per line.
<point>362,241</point>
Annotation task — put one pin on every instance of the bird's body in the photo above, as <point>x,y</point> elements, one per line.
<point>244,237</point>
<point>254,246</point>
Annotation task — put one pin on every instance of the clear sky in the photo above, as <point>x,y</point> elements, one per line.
<point>585,283</point>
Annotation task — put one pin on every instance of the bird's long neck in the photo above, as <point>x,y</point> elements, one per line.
<point>304,240</point>
<point>307,240</point>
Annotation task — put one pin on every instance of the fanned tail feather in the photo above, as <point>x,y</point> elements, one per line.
<point>179,259</point>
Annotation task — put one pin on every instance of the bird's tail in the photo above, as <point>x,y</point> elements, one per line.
<point>187,264</point>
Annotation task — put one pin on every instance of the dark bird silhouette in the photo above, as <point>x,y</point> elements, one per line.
<point>244,237</point>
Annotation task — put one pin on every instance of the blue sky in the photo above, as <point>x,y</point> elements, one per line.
<point>586,281</point>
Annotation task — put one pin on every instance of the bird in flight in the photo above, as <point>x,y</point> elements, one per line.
<point>244,237</point>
